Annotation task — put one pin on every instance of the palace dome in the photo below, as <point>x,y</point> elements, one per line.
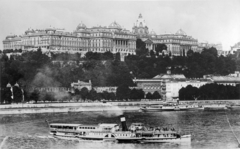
<point>11,36</point>
<point>114,25</point>
<point>29,31</point>
<point>50,29</point>
<point>152,33</point>
<point>81,26</point>
<point>140,21</point>
<point>180,32</point>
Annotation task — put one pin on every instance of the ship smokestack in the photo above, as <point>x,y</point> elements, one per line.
<point>124,124</point>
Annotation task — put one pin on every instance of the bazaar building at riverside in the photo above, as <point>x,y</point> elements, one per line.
<point>168,85</point>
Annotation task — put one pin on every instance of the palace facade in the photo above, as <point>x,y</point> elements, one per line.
<point>178,43</point>
<point>99,39</point>
<point>113,38</point>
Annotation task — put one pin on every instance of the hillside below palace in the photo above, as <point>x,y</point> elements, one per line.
<point>113,38</point>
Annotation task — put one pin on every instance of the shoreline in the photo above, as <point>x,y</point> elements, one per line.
<point>67,109</point>
<point>25,108</point>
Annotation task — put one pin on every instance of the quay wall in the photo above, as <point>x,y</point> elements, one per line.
<point>117,109</point>
<point>78,104</point>
<point>98,106</point>
<point>207,102</point>
<point>71,107</point>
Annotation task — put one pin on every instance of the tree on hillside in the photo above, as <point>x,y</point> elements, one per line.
<point>148,95</point>
<point>133,94</point>
<point>141,49</point>
<point>156,95</point>
<point>120,74</point>
<point>189,93</point>
<point>93,95</point>
<point>212,51</point>
<point>107,56</point>
<point>152,54</point>
<point>117,57</point>
<point>35,96</point>
<point>190,52</point>
<point>112,96</point>
<point>136,94</point>
<point>7,95</point>
<point>123,92</point>
<point>160,48</point>
<point>17,94</point>
<point>84,93</point>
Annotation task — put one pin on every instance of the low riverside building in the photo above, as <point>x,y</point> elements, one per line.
<point>235,48</point>
<point>224,80</point>
<point>168,85</point>
<point>49,89</point>
<point>174,85</point>
<point>235,74</point>
<point>81,84</point>
<point>109,89</point>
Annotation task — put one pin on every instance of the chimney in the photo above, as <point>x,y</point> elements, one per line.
<point>124,124</point>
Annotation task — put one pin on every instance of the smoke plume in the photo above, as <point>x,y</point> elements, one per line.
<point>44,80</point>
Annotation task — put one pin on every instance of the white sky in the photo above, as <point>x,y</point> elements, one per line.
<point>215,21</point>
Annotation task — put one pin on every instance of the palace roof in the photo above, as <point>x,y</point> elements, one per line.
<point>181,32</point>
<point>114,25</point>
<point>169,76</point>
<point>225,79</point>
<point>81,26</point>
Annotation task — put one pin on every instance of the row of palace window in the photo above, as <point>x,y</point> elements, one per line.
<point>9,46</point>
<point>181,42</point>
<point>97,49</point>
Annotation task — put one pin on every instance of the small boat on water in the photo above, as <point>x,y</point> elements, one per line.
<point>167,107</point>
<point>233,107</point>
<point>215,107</point>
<point>137,132</point>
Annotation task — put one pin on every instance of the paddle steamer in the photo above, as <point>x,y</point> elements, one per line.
<point>137,132</point>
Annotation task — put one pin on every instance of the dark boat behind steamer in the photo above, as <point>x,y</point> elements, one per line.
<point>166,107</point>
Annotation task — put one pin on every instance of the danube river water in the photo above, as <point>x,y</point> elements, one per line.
<point>209,129</point>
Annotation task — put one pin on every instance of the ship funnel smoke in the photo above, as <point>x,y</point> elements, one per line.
<point>123,122</point>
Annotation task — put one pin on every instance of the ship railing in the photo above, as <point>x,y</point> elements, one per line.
<point>157,132</point>
<point>63,130</point>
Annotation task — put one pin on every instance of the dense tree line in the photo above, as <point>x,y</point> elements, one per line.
<point>193,65</point>
<point>11,51</point>
<point>210,92</point>
<point>35,69</point>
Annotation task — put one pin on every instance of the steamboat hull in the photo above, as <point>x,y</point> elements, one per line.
<point>182,139</point>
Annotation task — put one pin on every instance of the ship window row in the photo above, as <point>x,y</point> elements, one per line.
<point>151,87</point>
<point>122,135</point>
<point>63,127</point>
<point>87,128</point>
<point>107,128</point>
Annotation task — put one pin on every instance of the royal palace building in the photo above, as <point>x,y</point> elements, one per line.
<point>178,43</point>
<point>96,39</point>
<point>113,38</point>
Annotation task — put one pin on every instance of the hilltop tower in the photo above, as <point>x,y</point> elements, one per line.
<point>140,27</point>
